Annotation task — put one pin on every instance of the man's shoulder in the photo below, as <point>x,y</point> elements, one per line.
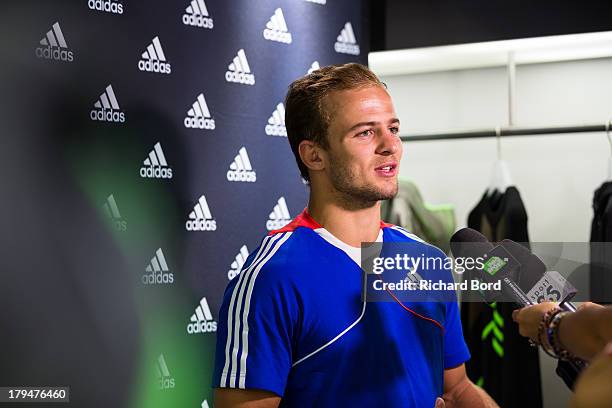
<point>394,233</point>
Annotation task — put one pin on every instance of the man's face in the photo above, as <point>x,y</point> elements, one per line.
<point>364,146</point>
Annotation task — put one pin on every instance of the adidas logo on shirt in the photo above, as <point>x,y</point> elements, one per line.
<point>155,166</point>
<point>323,2</point>
<point>54,46</point>
<point>276,122</point>
<point>276,29</point>
<point>241,169</point>
<point>236,266</point>
<point>202,320</point>
<point>315,65</point>
<point>157,271</point>
<point>198,117</point>
<point>154,59</point>
<point>279,217</point>
<point>239,71</point>
<point>106,108</point>
<point>166,381</point>
<point>346,42</point>
<point>111,209</point>
<point>106,5</point>
<point>196,14</point>
<point>200,219</point>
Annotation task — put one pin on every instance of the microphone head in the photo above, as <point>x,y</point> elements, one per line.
<point>468,242</point>
<point>532,267</point>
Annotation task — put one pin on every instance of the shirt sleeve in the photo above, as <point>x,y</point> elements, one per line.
<point>455,349</point>
<point>254,340</point>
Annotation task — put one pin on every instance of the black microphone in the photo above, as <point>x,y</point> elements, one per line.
<point>498,266</point>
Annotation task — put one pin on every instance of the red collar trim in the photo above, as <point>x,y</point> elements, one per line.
<point>305,220</point>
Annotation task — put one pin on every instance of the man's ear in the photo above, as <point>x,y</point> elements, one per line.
<point>312,155</point>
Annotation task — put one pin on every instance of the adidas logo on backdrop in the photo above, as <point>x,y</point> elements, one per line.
<point>106,5</point>
<point>111,209</point>
<point>154,59</point>
<point>315,65</point>
<point>276,122</point>
<point>202,320</point>
<point>155,166</point>
<point>241,169</point>
<point>106,108</point>
<point>54,46</point>
<point>238,262</point>
<point>196,14</point>
<point>198,117</point>
<point>279,217</point>
<point>166,381</point>
<point>157,271</point>
<point>346,42</point>
<point>239,71</point>
<point>276,29</point>
<point>200,219</point>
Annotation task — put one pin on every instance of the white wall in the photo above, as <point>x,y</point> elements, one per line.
<point>556,174</point>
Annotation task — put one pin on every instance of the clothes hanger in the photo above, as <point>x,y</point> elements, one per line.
<point>501,179</point>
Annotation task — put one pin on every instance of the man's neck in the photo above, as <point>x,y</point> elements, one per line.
<point>350,226</point>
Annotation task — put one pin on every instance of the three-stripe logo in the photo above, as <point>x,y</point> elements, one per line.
<point>241,169</point>
<point>198,116</point>
<point>346,42</point>
<point>279,217</point>
<point>166,381</point>
<point>54,46</point>
<point>236,266</point>
<point>202,320</point>
<point>112,211</point>
<point>276,29</point>
<point>106,108</point>
<point>239,71</point>
<point>315,65</point>
<point>196,14</point>
<point>201,219</point>
<point>155,165</point>
<point>154,59</point>
<point>276,122</point>
<point>157,271</point>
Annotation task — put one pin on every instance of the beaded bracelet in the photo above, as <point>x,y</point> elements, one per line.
<point>543,339</point>
<point>555,342</point>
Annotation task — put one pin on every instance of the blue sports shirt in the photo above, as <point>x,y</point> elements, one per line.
<point>293,322</point>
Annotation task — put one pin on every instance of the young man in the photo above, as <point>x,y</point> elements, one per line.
<point>293,328</point>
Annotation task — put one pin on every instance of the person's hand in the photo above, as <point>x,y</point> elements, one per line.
<point>592,389</point>
<point>440,403</point>
<point>529,318</point>
<point>589,305</point>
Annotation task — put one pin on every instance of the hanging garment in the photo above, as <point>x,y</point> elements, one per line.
<point>502,361</point>
<point>433,223</point>
<point>601,231</point>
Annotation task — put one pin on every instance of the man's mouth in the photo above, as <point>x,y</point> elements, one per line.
<point>387,169</point>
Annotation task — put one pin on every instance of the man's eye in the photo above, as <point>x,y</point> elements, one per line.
<point>365,133</point>
<point>394,130</point>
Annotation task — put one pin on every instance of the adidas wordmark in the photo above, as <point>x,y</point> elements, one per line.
<point>157,271</point>
<point>241,169</point>
<point>154,59</point>
<point>236,266</point>
<point>198,116</point>
<point>54,46</point>
<point>155,165</point>
<point>201,219</point>
<point>276,29</point>
<point>346,42</point>
<point>239,70</point>
<point>112,211</point>
<point>279,217</point>
<point>196,14</point>
<point>202,320</point>
<point>110,6</point>
<point>276,122</point>
<point>106,108</point>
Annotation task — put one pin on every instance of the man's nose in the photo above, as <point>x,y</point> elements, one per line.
<point>389,143</point>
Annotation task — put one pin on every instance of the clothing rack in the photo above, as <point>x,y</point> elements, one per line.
<point>505,131</point>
